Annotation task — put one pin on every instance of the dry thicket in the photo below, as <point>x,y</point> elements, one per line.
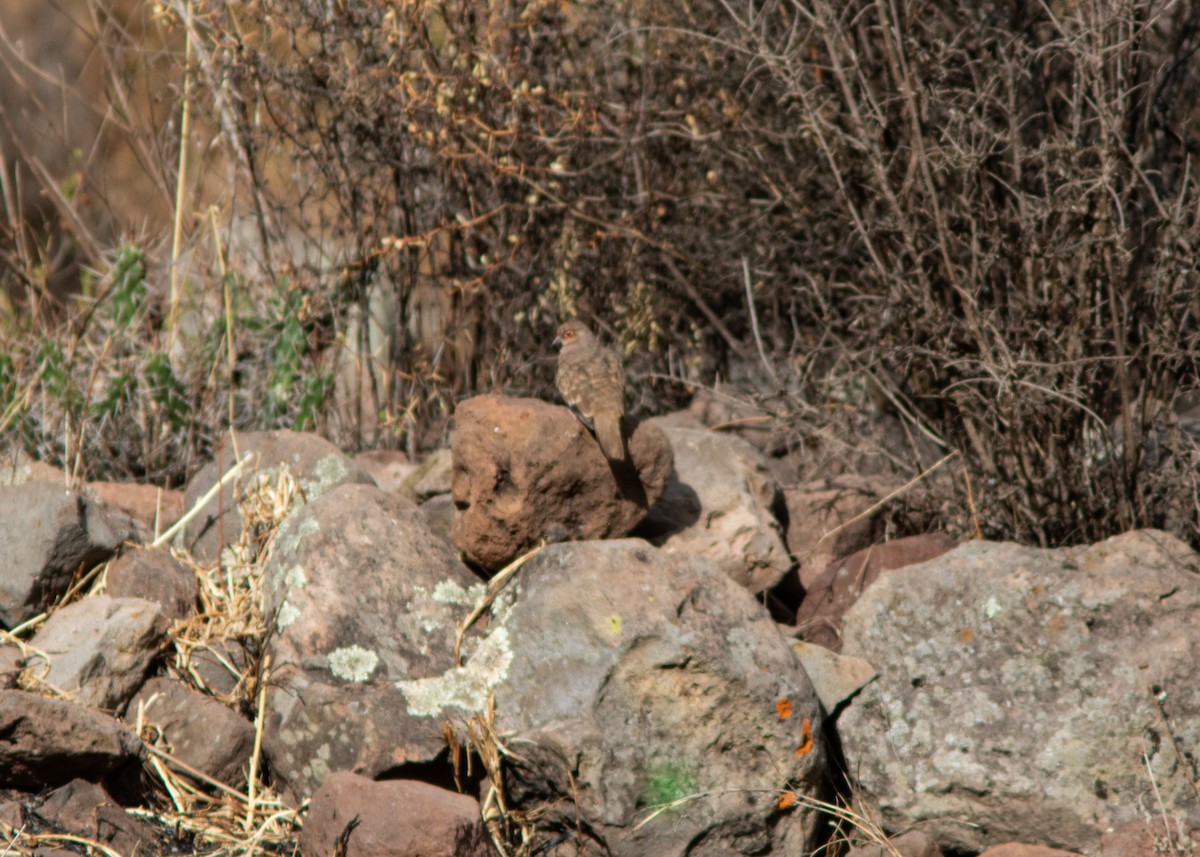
<point>977,223</point>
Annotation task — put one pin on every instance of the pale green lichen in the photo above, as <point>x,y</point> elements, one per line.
<point>452,593</point>
<point>353,663</point>
<point>465,687</point>
<point>286,616</point>
<point>992,608</point>
<point>329,471</point>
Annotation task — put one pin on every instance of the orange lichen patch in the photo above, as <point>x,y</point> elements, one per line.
<point>966,635</point>
<point>805,730</point>
<point>787,800</point>
<point>784,708</point>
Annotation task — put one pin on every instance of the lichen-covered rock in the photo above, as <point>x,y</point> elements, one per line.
<point>361,595</point>
<point>628,681</point>
<point>1029,695</point>
<point>317,465</point>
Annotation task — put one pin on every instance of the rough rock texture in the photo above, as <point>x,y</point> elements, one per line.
<point>915,843</point>
<point>316,463</point>
<point>1019,689</point>
<point>219,667</point>
<point>142,503</point>
<point>200,731</point>
<point>836,678</point>
<point>48,535</point>
<point>1148,839</point>
<point>99,649</point>
<point>361,595</point>
<point>816,510</point>
<point>153,574</point>
<point>49,742</point>
<point>721,505</point>
<point>388,467</point>
<point>626,678</point>
<point>526,470</point>
<point>819,619</point>
<point>85,809</point>
<point>397,818</point>
<point>433,476</point>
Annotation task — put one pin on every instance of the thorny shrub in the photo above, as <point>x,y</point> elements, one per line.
<point>977,223</point>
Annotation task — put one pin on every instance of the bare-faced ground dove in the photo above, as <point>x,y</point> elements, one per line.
<point>592,382</point>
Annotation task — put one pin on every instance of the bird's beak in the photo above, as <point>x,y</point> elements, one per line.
<point>557,343</point>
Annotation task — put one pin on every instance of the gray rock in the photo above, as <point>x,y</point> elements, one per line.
<point>49,742</point>
<point>99,649</point>
<point>431,477</point>
<point>1019,689</point>
<point>200,731</point>
<point>835,677</point>
<point>47,536</point>
<point>153,574</point>
<point>361,595</point>
<point>720,505</point>
<point>318,466</point>
<point>628,680</point>
<point>397,818</point>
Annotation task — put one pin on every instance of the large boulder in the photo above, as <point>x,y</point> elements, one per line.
<point>648,704</point>
<point>360,594</point>
<point>720,504</point>
<point>526,470</point>
<point>317,465</point>
<point>47,536</point>
<point>1030,695</point>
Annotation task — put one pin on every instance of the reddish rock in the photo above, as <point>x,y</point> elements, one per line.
<point>85,809</point>
<point>388,467</point>
<point>146,504</point>
<point>396,818</point>
<point>153,574</point>
<point>819,619</point>
<point>47,537</point>
<point>99,649</point>
<point>526,470</point>
<point>200,731</point>
<point>915,843</point>
<point>1146,839</point>
<point>49,742</point>
<point>816,511</point>
<point>1021,849</point>
<point>218,667</point>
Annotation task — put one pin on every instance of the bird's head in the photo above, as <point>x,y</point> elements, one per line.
<point>570,333</point>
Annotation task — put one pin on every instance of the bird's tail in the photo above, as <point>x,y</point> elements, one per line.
<point>608,433</point>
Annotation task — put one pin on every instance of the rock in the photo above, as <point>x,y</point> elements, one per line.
<point>438,513</point>
<point>1020,687</point>
<point>720,505</point>
<point>49,742</point>
<point>626,679</point>
<point>397,818</point>
<point>85,809</point>
<point>47,537</point>
<point>317,465</point>
<point>19,469</point>
<point>388,467</point>
<point>526,470</point>
<point>1148,839</point>
<point>731,413</point>
<point>218,667</point>
<point>915,843</point>
<point>99,649</point>
<point>361,596</point>
<point>433,476</point>
<point>199,731</point>
<point>819,619</point>
<point>12,661</point>
<point>1021,849</point>
<point>153,574</point>
<point>836,678</point>
<point>148,505</point>
<point>815,512</point>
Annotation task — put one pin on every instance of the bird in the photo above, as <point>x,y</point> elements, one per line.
<point>592,383</point>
